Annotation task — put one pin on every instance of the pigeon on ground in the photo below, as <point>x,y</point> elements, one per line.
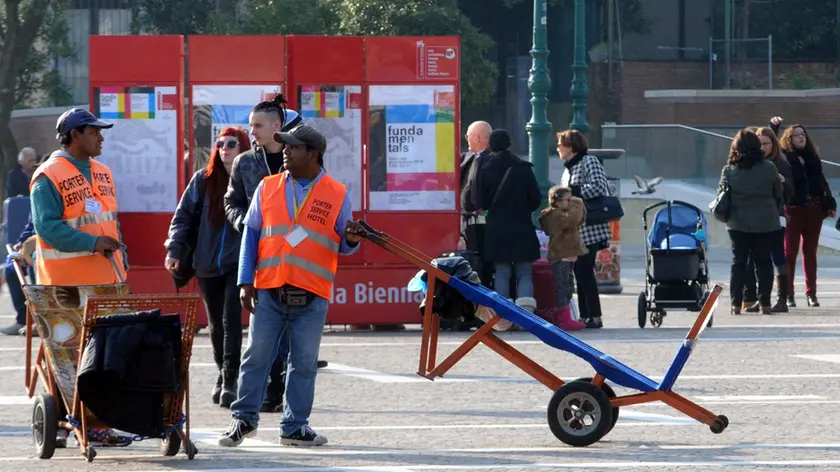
<point>646,187</point>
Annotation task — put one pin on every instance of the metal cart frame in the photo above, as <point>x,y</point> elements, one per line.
<point>588,397</point>
<point>80,421</point>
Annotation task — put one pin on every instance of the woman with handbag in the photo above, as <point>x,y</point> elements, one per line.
<point>585,175</point>
<point>507,189</point>
<point>200,235</point>
<point>810,204</point>
<point>773,153</point>
<point>750,195</point>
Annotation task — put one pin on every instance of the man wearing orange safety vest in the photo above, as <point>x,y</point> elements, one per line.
<point>298,222</point>
<point>74,212</point>
<point>74,208</point>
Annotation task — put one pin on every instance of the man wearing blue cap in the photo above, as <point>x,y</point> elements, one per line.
<point>74,213</point>
<point>74,208</point>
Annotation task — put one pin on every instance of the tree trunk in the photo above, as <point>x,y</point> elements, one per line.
<point>17,44</point>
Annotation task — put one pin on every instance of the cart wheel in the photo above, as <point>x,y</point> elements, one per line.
<point>579,414</point>
<point>171,444</point>
<point>611,394</point>
<point>656,318</point>
<point>719,424</point>
<point>642,307</point>
<point>44,425</point>
<point>90,454</point>
<point>191,450</point>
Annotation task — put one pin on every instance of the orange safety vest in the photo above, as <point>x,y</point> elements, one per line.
<point>311,264</point>
<point>54,267</point>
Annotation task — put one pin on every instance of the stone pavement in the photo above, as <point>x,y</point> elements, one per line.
<point>775,377</point>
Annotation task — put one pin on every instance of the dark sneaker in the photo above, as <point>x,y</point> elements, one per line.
<point>272,404</point>
<point>217,390</point>
<point>61,439</point>
<point>22,332</point>
<point>236,433</point>
<point>305,437</point>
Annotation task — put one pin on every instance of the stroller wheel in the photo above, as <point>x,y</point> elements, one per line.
<point>642,310</point>
<point>656,318</point>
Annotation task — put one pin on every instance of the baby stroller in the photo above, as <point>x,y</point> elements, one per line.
<point>676,266</point>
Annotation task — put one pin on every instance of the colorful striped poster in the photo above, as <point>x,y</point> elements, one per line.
<point>412,147</point>
<point>142,149</point>
<point>126,103</point>
<point>322,102</point>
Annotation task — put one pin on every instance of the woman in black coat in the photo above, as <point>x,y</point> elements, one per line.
<point>510,236</point>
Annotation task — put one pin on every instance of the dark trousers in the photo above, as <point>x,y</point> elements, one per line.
<point>804,225</point>
<point>589,302</point>
<point>224,317</point>
<point>18,299</point>
<point>777,257</point>
<point>755,246</point>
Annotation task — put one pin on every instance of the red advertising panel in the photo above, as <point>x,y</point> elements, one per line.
<point>325,76</point>
<point>389,107</point>
<point>413,140</point>
<point>141,93</point>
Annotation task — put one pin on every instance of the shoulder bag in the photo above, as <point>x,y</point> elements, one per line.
<point>721,206</point>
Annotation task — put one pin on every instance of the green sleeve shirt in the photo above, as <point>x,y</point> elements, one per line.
<point>48,209</point>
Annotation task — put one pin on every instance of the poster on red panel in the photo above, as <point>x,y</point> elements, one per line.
<point>216,107</point>
<point>412,147</point>
<point>142,148</point>
<point>336,111</point>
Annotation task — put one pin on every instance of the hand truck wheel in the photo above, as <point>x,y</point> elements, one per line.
<point>719,424</point>
<point>170,444</point>
<point>44,425</point>
<point>579,414</point>
<point>611,394</point>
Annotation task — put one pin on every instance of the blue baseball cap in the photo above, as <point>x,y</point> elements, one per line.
<point>76,117</point>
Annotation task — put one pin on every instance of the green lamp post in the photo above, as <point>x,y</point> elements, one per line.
<point>580,89</point>
<point>539,84</point>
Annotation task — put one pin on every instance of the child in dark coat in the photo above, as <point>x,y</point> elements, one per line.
<point>561,222</point>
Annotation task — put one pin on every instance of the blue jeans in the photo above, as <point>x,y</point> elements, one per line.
<point>524,279</point>
<point>18,299</point>
<point>268,326</point>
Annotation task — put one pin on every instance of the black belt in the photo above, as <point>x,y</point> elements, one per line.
<point>292,296</point>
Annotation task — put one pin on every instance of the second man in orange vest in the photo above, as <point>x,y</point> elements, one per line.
<point>298,223</point>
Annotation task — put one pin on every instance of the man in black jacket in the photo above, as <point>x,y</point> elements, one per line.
<point>249,169</point>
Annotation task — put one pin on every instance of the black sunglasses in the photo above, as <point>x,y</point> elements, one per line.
<point>230,144</point>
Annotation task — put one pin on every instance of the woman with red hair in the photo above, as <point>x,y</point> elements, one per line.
<point>201,235</point>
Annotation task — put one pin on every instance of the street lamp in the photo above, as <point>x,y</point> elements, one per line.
<point>539,84</point>
<point>580,89</point>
